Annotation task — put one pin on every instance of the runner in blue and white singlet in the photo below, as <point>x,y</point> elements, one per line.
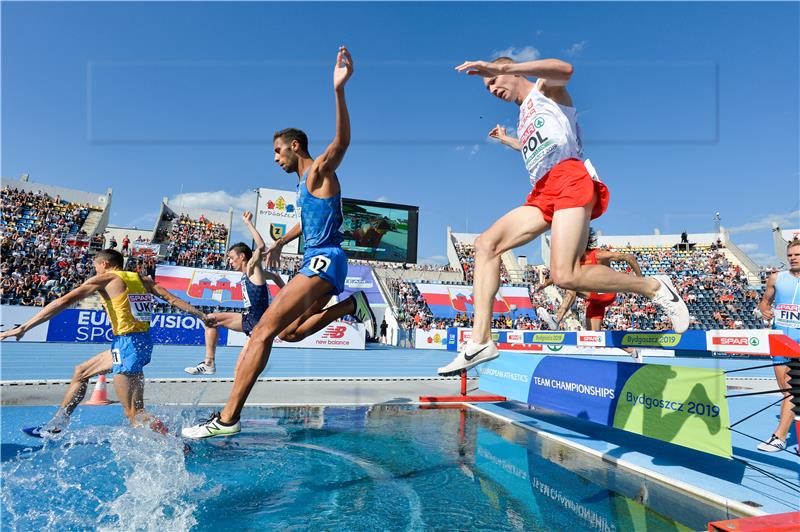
<point>781,304</point>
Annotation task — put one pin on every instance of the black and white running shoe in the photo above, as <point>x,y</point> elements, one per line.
<point>364,314</point>
<point>201,369</point>
<point>210,428</point>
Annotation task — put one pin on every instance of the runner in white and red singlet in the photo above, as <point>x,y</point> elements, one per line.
<point>566,195</point>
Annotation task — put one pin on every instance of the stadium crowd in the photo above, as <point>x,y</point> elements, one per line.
<point>45,252</point>
<point>197,243</point>
<point>466,256</point>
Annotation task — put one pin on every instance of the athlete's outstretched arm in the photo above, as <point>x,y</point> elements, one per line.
<point>553,70</point>
<point>330,160</point>
<point>158,290</point>
<point>274,251</point>
<point>627,258</point>
<point>275,277</point>
<point>247,218</point>
<point>90,286</point>
<point>499,133</point>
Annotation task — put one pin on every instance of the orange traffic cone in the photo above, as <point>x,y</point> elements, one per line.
<point>100,393</point>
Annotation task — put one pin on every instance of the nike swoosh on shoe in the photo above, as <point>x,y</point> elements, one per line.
<point>476,353</point>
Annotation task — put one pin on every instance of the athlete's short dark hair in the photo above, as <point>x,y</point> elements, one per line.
<point>111,256</point>
<point>503,59</point>
<point>795,242</point>
<point>289,134</point>
<point>241,247</point>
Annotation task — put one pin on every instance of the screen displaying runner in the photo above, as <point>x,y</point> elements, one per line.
<point>379,231</point>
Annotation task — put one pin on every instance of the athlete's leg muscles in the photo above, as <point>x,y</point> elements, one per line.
<point>99,364</point>
<point>130,393</point>
<point>231,321</point>
<point>516,228</point>
<point>316,318</point>
<point>782,376</point>
<point>290,303</point>
<point>569,234</point>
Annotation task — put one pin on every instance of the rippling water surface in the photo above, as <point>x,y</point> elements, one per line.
<point>384,467</point>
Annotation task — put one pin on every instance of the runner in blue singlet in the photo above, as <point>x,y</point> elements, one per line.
<point>299,308</point>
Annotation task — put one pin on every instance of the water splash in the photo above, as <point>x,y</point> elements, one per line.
<point>109,478</point>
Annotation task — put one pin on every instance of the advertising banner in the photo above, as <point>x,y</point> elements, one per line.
<point>337,335</point>
<point>361,278</point>
<point>680,405</point>
<point>139,249</point>
<point>277,214</point>
<point>431,339</point>
<point>200,286</point>
<point>447,301</point>
<point>92,326</point>
<point>15,315</point>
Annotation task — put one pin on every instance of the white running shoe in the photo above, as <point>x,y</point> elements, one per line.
<point>363,313</point>
<point>774,445</point>
<point>636,355</point>
<point>210,428</point>
<point>470,355</point>
<point>547,318</point>
<point>668,299</point>
<point>201,369</point>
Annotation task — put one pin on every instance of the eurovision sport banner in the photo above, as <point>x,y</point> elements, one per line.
<point>200,286</point>
<point>680,405</point>
<point>92,326</point>
<point>447,300</point>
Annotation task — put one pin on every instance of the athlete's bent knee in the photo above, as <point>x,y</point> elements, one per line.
<point>263,332</point>
<point>565,278</point>
<point>486,246</point>
<point>291,336</point>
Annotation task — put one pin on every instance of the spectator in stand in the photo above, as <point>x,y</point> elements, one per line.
<point>126,242</point>
<point>112,244</point>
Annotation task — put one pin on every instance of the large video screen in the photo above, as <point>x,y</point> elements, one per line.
<point>379,231</point>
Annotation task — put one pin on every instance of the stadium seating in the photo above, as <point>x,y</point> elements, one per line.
<point>44,251</point>
<point>199,243</point>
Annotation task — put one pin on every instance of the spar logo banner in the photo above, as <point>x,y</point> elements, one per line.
<point>446,301</point>
<point>277,213</point>
<point>92,326</point>
<point>199,286</point>
<point>679,405</point>
<point>745,341</point>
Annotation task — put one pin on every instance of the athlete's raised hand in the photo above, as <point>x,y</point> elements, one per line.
<point>274,255</point>
<point>247,217</point>
<point>480,68</point>
<point>19,332</point>
<point>498,132</point>
<point>343,69</point>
